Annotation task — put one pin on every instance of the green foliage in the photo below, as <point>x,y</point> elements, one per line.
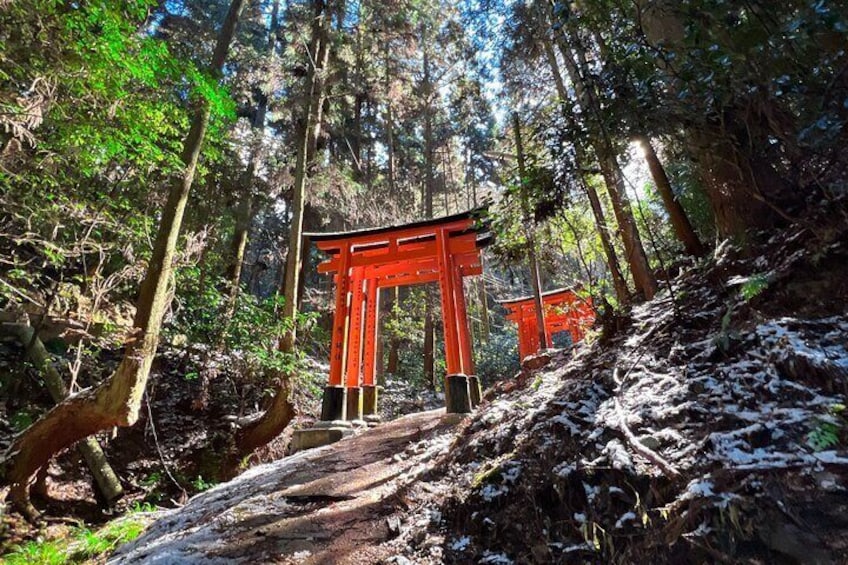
<point>142,507</point>
<point>82,544</point>
<point>254,329</point>
<point>199,484</point>
<point>405,321</point>
<point>89,544</point>
<point>21,420</point>
<point>824,436</point>
<point>754,286</point>
<point>829,431</point>
<point>497,358</point>
<point>36,553</point>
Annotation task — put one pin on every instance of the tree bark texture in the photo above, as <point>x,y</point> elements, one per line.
<point>618,282</point>
<point>740,186</point>
<point>320,50</point>
<point>533,263</point>
<point>676,214</point>
<point>485,328</point>
<point>637,259</point>
<point>245,209</point>
<point>393,357</point>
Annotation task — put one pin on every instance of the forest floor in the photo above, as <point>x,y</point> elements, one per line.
<point>707,426</point>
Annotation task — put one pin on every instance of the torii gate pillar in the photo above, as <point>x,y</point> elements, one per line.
<point>442,250</point>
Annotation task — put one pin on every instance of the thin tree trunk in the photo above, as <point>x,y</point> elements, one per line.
<point>637,259</point>
<point>679,221</point>
<point>484,309</point>
<point>618,282</point>
<point>429,346</point>
<point>281,411</point>
<point>535,277</point>
<point>245,210</point>
<point>380,365</point>
<point>104,477</point>
<point>429,173</point>
<point>394,344</point>
<point>117,401</point>
<point>309,222</point>
<point>633,247</point>
<point>308,142</point>
<point>390,148</point>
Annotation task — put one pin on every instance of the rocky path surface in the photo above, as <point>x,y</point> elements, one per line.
<point>329,505</point>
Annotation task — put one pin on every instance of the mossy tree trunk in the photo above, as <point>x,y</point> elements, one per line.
<point>104,476</point>
<point>117,401</point>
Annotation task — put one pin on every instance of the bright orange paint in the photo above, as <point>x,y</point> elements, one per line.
<point>564,311</point>
<point>368,260</point>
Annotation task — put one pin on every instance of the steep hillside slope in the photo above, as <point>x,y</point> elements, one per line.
<point>707,426</point>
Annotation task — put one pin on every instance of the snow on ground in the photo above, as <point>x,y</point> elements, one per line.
<point>721,400</point>
<point>702,426</point>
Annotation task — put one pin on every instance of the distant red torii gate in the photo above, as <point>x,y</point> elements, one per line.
<point>564,311</point>
<point>365,261</point>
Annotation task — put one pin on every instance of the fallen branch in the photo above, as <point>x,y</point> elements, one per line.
<point>667,468</point>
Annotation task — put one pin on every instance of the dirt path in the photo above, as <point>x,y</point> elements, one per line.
<point>329,505</point>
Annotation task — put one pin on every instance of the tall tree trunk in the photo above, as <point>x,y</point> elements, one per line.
<point>535,277</point>
<point>429,174</point>
<point>645,281</point>
<point>311,220</point>
<point>637,259</point>
<point>618,282</point>
<point>394,344</point>
<point>429,346</point>
<point>281,411</point>
<point>306,147</point>
<point>484,309</point>
<point>740,186</point>
<point>679,221</point>
<point>733,181</point>
<point>358,100</point>
<point>390,140</point>
<point>245,210</point>
<point>117,401</point>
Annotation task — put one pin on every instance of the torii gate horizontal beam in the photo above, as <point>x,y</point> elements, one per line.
<point>402,252</point>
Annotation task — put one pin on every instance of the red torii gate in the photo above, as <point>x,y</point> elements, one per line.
<point>564,311</point>
<point>365,261</point>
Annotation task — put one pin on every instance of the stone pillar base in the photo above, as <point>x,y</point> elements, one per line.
<point>457,395</point>
<point>354,403</point>
<point>333,404</point>
<point>370,394</point>
<point>475,389</point>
